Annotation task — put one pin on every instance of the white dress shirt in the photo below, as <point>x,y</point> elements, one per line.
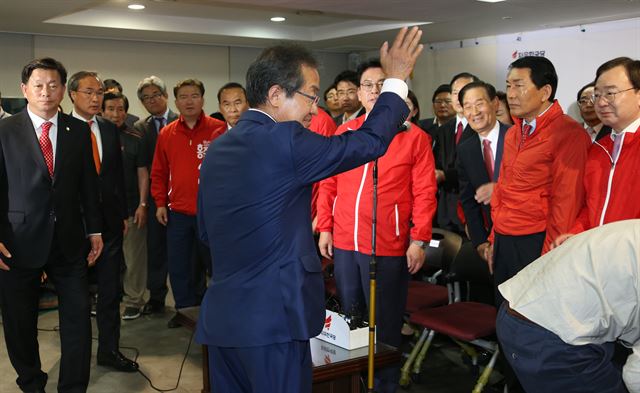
<point>53,131</point>
<point>587,291</point>
<point>492,136</point>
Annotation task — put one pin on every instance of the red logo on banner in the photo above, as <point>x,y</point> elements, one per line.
<point>327,322</point>
<point>514,55</point>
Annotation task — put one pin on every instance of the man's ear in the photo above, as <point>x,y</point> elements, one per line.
<point>275,96</point>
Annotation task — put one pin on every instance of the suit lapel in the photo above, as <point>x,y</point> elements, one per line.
<point>106,141</point>
<point>61,141</point>
<point>503,131</point>
<point>29,139</point>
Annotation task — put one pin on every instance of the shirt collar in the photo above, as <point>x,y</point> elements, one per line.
<point>264,113</point>
<point>37,120</point>
<point>77,116</point>
<point>633,127</point>
<point>493,135</point>
<point>461,119</point>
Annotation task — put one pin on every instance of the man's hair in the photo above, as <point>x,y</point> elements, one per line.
<point>115,96</point>
<point>188,82</point>
<point>414,100</point>
<point>111,83</point>
<point>347,76</point>
<point>488,88</point>
<point>151,81</point>
<point>583,88</point>
<point>441,89</point>
<point>632,67</point>
<point>46,63</point>
<point>364,66</point>
<point>231,85</point>
<point>333,86</point>
<point>74,80</point>
<point>278,65</point>
<point>542,72</point>
<point>502,96</point>
<point>466,75</point>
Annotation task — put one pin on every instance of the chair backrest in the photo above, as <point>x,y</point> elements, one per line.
<point>442,249</point>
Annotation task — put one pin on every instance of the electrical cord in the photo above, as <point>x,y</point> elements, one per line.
<point>56,329</point>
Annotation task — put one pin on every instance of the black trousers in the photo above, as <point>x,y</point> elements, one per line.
<point>107,270</point>
<point>512,254</point>
<point>19,296</point>
<point>157,268</point>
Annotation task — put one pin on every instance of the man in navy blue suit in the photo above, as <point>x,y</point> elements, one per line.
<point>266,299</point>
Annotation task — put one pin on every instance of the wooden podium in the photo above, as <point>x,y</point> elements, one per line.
<point>335,369</point>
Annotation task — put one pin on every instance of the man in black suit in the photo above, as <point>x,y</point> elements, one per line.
<point>48,208</point>
<point>592,124</point>
<point>447,138</point>
<point>478,160</point>
<point>152,92</point>
<point>442,110</point>
<point>87,92</point>
<point>347,84</point>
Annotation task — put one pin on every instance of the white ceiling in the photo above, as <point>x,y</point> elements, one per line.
<point>331,25</point>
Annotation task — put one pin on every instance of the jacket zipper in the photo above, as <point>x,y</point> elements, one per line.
<point>397,222</point>
<point>357,207</point>
<point>610,180</point>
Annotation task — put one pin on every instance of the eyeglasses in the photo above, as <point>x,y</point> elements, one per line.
<point>92,93</point>
<point>368,86</point>
<point>314,99</point>
<point>586,100</point>
<point>151,97</point>
<point>441,102</point>
<point>609,96</point>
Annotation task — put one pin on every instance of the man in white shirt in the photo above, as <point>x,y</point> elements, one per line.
<point>564,313</point>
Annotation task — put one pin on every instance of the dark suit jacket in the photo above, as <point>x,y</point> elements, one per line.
<point>604,131</point>
<point>111,178</point>
<point>148,128</point>
<point>254,211</point>
<point>429,126</point>
<point>32,204</point>
<point>338,119</point>
<point>471,175</point>
<point>444,153</point>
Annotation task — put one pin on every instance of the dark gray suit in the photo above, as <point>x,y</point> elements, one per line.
<point>156,233</point>
<point>42,224</point>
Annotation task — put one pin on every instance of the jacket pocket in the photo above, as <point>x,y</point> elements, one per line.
<point>311,263</point>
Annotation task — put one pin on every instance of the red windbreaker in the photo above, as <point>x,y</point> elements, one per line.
<point>540,185</point>
<point>611,191</point>
<point>406,194</point>
<point>176,163</point>
<point>322,124</point>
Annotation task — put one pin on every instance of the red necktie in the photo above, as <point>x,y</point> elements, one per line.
<point>46,146</point>
<point>525,133</point>
<point>94,149</point>
<point>487,154</point>
<point>459,133</point>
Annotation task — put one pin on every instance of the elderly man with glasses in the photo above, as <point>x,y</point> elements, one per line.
<point>592,125</point>
<point>611,179</point>
<point>405,208</point>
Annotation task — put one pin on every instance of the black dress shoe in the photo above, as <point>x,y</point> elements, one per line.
<point>39,390</point>
<point>173,322</point>
<point>153,307</point>
<point>117,361</point>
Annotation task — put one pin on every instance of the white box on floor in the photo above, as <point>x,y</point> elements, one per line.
<point>336,331</point>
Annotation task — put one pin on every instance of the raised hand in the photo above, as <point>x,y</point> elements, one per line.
<point>399,60</point>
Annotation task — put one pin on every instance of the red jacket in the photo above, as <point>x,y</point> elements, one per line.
<point>322,124</point>
<point>611,191</point>
<point>176,163</point>
<point>406,194</point>
<point>540,185</point>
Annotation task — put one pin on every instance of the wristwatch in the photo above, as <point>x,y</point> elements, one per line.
<point>143,204</point>
<point>420,244</point>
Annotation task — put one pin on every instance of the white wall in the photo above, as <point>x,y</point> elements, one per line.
<point>130,61</point>
<point>576,54</point>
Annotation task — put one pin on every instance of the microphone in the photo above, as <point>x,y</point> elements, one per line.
<point>404,127</point>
